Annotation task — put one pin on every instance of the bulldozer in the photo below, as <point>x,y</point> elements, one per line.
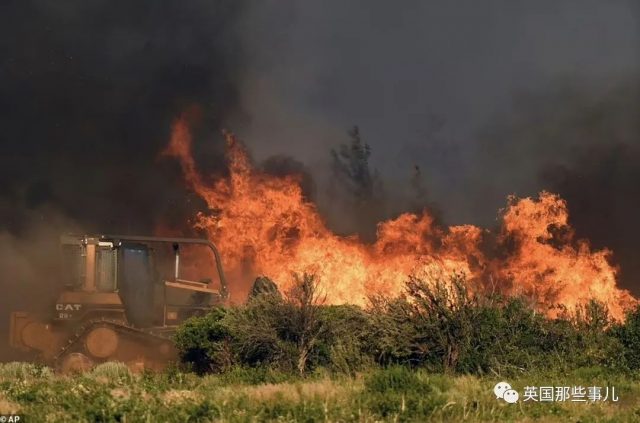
<point>122,299</point>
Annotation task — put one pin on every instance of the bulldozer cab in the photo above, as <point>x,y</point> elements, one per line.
<point>143,281</point>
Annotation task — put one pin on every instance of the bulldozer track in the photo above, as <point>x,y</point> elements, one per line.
<point>118,326</point>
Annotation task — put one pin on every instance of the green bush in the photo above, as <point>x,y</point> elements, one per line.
<point>204,342</point>
<point>290,333</point>
<point>343,340</point>
<point>628,335</point>
<point>262,334</point>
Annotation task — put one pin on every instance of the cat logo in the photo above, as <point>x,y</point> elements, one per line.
<point>65,311</point>
<point>68,307</point>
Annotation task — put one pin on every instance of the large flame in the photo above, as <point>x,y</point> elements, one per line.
<point>263,225</point>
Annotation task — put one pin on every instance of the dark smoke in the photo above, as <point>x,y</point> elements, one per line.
<point>420,79</point>
<point>88,93</point>
<point>582,141</point>
<point>600,181</point>
<point>602,189</point>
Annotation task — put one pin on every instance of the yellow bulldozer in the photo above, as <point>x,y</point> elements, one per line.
<point>122,299</point>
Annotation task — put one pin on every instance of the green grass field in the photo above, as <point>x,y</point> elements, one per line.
<point>111,393</point>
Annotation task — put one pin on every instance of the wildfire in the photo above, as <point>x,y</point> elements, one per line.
<point>263,225</point>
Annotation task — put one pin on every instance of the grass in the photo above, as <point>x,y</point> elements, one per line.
<point>110,393</point>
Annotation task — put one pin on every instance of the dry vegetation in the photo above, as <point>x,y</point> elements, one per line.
<point>111,393</point>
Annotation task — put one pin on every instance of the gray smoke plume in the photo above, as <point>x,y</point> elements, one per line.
<point>424,81</point>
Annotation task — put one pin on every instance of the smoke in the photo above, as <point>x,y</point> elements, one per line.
<point>30,268</point>
<point>600,180</point>
<point>279,165</point>
<point>89,89</point>
<point>580,139</point>
<point>601,187</point>
<point>421,80</point>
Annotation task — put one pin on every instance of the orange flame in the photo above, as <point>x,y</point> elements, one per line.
<point>263,225</point>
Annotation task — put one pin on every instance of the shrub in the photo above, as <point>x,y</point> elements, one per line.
<point>391,333</point>
<point>261,333</point>
<point>437,325</point>
<point>343,342</point>
<point>254,376</point>
<point>282,333</point>
<point>204,342</point>
<point>443,327</point>
<point>628,335</point>
<point>434,325</point>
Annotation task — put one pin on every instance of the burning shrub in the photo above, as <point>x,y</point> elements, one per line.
<point>442,326</point>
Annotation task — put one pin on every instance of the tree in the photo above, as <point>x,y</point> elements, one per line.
<point>358,184</point>
<point>419,195</point>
